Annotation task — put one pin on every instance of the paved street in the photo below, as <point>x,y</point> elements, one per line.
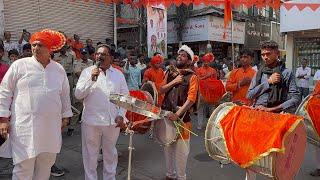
<point>148,161</point>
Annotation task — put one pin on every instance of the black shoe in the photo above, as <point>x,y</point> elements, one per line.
<point>315,173</point>
<point>56,172</point>
<point>70,132</point>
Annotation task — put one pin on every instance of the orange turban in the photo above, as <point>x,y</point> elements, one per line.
<point>156,59</point>
<point>195,58</point>
<point>53,40</point>
<point>207,58</point>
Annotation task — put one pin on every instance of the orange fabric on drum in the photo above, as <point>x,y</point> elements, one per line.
<point>316,90</point>
<point>210,88</point>
<point>250,134</point>
<point>313,109</point>
<point>134,117</point>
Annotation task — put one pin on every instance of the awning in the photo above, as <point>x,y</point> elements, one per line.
<point>299,15</point>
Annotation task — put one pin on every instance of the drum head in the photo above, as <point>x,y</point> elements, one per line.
<point>301,111</point>
<point>312,134</point>
<point>288,164</point>
<point>164,132</point>
<point>214,141</point>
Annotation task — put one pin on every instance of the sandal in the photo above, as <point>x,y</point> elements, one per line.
<point>315,173</point>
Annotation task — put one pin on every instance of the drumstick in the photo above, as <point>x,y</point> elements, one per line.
<point>185,128</point>
<point>175,123</point>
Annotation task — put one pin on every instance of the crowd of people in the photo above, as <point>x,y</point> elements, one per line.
<point>47,72</point>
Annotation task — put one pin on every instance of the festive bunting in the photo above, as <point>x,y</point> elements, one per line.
<point>301,6</point>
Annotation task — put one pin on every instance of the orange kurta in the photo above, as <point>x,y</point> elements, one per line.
<point>250,134</point>
<point>76,46</point>
<point>192,96</point>
<point>203,71</point>
<point>210,88</point>
<point>239,93</point>
<point>156,76</point>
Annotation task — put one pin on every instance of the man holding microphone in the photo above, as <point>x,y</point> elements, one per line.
<point>100,118</point>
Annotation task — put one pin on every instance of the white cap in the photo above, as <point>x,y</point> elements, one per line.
<point>188,50</point>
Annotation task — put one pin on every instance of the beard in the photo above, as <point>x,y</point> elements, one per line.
<point>180,65</point>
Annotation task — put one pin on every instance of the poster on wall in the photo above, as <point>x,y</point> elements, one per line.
<point>157,30</point>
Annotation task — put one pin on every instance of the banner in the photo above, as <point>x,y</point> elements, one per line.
<point>157,30</point>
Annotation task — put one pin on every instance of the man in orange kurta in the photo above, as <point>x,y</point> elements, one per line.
<point>204,73</point>
<point>77,46</point>
<point>155,74</point>
<point>240,79</point>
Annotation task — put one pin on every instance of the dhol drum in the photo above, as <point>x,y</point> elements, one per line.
<point>165,132</point>
<point>150,87</point>
<point>210,91</point>
<point>312,134</point>
<point>133,117</point>
<point>280,166</point>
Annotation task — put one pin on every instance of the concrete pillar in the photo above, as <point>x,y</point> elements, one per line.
<point>290,51</point>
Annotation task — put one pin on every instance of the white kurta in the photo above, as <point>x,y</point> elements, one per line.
<point>97,109</point>
<point>36,98</point>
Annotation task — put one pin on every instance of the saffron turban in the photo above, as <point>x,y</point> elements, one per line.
<point>156,59</point>
<point>53,40</point>
<point>207,58</point>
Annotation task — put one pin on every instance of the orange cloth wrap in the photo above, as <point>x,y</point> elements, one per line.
<point>250,134</point>
<point>313,109</point>
<point>156,59</point>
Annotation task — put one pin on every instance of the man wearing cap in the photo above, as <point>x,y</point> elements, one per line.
<point>34,106</point>
<point>180,96</point>
<point>155,74</point>
<point>239,80</point>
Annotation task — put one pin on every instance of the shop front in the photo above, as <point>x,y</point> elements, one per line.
<point>300,22</point>
<point>201,31</point>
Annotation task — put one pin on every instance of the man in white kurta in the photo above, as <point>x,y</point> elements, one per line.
<point>34,95</point>
<point>100,117</point>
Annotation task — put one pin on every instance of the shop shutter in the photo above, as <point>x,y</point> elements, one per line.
<point>89,20</point>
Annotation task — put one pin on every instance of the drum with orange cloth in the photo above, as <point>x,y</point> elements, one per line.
<point>211,91</point>
<point>266,143</point>
<point>140,128</point>
<point>150,87</point>
<point>310,110</point>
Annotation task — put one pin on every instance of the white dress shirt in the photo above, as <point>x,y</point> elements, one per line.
<point>303,82</point>
<point>11,45</point>
<point>37,99</point>
<point>317,75</point>
<point>97,109</point>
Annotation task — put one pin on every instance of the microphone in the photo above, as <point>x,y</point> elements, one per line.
<point>94,78</point>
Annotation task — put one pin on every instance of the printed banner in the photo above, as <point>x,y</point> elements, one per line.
<point>157,30</point>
